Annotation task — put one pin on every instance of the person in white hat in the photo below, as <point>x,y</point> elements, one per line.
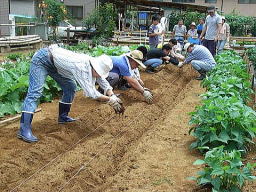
<point>123,67</point>
<point>223,36</point>
<point>66,68</point>
<point>192,35</point>
<point>200,58</point>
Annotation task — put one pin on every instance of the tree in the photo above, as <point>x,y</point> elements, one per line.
<point>103,18</point>
<point>55,13</point>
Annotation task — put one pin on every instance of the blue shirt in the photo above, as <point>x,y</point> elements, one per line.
<point>153,40</point>
<point>120,65</point>
<point>201,53</point>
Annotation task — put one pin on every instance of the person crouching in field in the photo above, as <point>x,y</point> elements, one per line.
<point>124,68</point>
<point>66,68</point>
<point>200,58</point>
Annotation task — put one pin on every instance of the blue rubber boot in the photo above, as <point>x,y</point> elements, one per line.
<point>25,132</point>
<point>63,113</point>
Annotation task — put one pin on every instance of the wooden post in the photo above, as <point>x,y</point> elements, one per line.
<point>68,35</point>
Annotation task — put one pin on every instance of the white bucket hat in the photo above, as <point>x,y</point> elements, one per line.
<point>102,65</point>
<point>193,23</point>
<point>137,56</point>
<point>186,46</point>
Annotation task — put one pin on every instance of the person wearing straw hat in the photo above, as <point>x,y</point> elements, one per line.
<point>192,34</point>
<point>123,67</point>
<point>66,68</point>
<point>200,58</point>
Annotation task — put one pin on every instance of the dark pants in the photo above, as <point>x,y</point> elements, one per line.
<point>211,45</point>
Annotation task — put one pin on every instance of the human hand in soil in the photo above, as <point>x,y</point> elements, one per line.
<point>148,95</point>
<point>117,104</point>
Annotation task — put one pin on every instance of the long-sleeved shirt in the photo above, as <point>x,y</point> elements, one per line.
<point>200,53</point>
<point>77,67</point>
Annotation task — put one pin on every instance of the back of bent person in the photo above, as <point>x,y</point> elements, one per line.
<point>65,67</point>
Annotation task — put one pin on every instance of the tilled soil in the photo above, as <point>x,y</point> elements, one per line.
<point>146,149</point>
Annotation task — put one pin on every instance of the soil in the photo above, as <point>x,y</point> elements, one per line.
<point>145,150</point>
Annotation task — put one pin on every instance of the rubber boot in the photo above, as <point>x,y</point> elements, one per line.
<point>202,75</point>
<point>25,132</point>
<point>63,113</point>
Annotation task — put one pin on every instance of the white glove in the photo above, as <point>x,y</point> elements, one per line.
<point>115,102</point>
<point>113,99</point>
<point>148,95</point>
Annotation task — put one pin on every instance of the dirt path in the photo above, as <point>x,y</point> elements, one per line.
<point>144,150</point>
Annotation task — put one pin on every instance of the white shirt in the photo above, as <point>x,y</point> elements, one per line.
<point>76,66</point>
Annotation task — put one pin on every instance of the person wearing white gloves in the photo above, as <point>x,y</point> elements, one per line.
<point>66,68</point>
<point>123,68</point>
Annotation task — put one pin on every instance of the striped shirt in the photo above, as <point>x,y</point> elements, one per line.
<point>201,53</point>
<point>77,67</point>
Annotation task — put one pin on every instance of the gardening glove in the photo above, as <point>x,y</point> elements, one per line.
<point>116,103</point>
<point>148,95</point>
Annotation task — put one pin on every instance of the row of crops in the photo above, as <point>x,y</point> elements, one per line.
<point>14,77</point>
<point>225,126</point>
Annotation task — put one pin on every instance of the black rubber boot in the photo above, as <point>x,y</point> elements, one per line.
<point>25,132</point>
<point>63,113</point>
<point>202,75</point>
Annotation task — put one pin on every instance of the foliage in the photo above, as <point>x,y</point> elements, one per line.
<point>223,121</point>
<point>187,16</point>
<point>55,13</point>
<point>14,82</point>
<point>103,18</point>
<point>99,50</point>
<point>14,56</point>
<point>252,56</point>
<point>224,170</point>
<point>224,118</point>
<point>240,25</point>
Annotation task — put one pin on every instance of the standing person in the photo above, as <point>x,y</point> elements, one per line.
<point>200,58</point>
<point>176,49</point>
<point>211,30</point>
<point>192,34</point>
<point>162,30</point>
<point>65,67</point>
<point>199,28</point>
<point>179,32</point>
<point>155,57</point>
<point>154,33</point>
<point>224,35</point>
<point>123,69</point>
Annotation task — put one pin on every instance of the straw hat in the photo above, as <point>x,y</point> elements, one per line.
<point>137,56</point>
<point>102,65</point>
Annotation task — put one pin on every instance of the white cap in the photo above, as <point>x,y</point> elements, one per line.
<point>193,23</point>
<point>102,65</point>
<point>186,46</point>
<point>223,17</point>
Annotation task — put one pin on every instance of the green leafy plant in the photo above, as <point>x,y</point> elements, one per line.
<point>224,118</point>
<point>14,81</point>
<point>224,171</point>
<point>223,121</point>
<point>252,56</point>
<point>103,18</point>
<point>55,13</point>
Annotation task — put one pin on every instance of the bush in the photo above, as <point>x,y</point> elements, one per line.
<point>224,171</point>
